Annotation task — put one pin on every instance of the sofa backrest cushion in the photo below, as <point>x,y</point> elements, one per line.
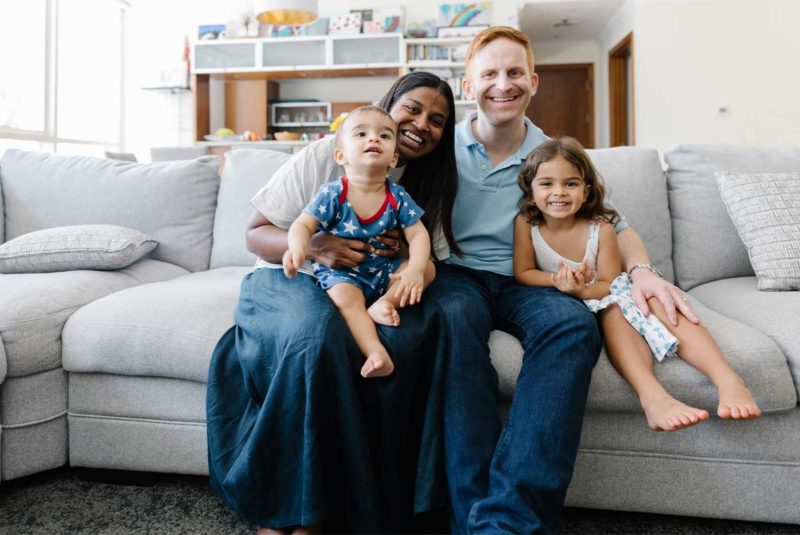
<point>2,211</point>
<point>706,245</point>
<point>638,189</point>
<point>173,202</point>
<point>246,171</point>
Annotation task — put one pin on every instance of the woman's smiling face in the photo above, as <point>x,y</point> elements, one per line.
<point>420,114</point>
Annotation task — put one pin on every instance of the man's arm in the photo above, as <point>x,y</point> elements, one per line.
<point>647,284</point>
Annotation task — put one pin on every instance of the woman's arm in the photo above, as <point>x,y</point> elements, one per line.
<point>270,242</point>
<point>525,271</point>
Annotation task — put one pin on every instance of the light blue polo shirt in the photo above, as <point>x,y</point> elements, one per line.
<point>486,203</point>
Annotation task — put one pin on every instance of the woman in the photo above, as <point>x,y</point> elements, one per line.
<point>295,437</point>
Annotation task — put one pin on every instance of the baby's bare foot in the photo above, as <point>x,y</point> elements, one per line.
<point>736,401</point>
<point>665,413</point>
<point>384,313</point>
<point>377,365</point>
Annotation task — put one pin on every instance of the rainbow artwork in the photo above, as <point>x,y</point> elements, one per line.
<point>473,14</point>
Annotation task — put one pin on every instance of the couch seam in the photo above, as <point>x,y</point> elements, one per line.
<point>131,419</point>
<point>624,453</point>
<point>71,310</point>
<point>35,422</point>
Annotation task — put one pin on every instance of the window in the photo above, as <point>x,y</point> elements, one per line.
<point>61,89</point>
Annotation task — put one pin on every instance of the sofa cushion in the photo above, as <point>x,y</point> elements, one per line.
<point>776,314</point>
<point>166,329</point>
<point>706,246</point>
<point>171,201</point>
<point>751,353</point>
<point>3,364</point>
<point>2,211</point>
<point>639,190</point>
<point>33,399</point>
<point>245,172</point>
<point>102,247</point>
<point>34,307</point>
<point>765,207</point>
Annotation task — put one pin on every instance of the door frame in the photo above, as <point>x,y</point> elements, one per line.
<point>621,93</point>
<point>589,67</point>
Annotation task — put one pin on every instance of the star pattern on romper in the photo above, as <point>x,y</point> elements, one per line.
<point>365,231</point>
<point>373,269</point>
<point>412,213</point>
<point>335,232</point>
<point>322,208</point>
<point>324,224</point>
<point>382,223</point>
<point>349,227</point>
<point>315,265</point>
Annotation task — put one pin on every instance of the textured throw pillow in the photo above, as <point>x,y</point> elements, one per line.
<point>765,207</point>
<point>104,247</point>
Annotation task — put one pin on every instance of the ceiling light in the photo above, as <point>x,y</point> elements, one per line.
<point>286,12</point>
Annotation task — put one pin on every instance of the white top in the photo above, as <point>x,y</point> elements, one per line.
<point>547,258</point>
<point>294,185</point>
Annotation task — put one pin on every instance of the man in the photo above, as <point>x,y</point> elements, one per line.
<point>513,479</point>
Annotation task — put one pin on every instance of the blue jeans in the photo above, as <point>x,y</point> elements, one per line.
<point>513,479</point>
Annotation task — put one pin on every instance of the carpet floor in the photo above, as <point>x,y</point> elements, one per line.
<point>59,502</point>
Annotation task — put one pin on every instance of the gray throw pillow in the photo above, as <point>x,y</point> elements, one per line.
<point>765,207</point>
<point>102,247</point>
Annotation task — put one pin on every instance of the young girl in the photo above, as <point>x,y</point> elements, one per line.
<point>362,205</point>
<point>563,237</point>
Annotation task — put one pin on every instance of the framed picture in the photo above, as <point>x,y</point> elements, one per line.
<point>473,14</point>
<point>208,32</point>
<point>392,18</point>
<point>460,31</point>
<point>349,24</point>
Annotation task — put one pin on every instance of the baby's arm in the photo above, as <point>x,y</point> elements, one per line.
<point>299,248</point>
<point>525,271</point>
<point>608,265</point>
<point>411,280</point>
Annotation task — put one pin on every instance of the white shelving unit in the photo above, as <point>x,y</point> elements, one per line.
<point>300,114</point>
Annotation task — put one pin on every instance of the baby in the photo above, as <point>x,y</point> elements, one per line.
<point>362,205</point>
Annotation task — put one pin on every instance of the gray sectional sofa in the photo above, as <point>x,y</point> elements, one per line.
<point>107,369</point>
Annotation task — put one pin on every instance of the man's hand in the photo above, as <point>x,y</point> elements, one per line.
<point>647,284</point>
<point>408,287</point>
<point>336,253</point>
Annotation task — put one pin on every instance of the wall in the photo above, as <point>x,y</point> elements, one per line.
<point>620,25</point>
<point>693,57</point>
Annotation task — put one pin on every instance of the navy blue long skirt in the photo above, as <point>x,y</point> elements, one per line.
<point>297,437</point>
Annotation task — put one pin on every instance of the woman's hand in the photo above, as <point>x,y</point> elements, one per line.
<point>408,287</point>
<point>391,239</point>
<point>336,253</point>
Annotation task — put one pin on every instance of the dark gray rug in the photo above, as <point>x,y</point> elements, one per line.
<point>58,501</point>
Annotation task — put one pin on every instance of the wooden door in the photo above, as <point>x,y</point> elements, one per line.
<point>564,103</point>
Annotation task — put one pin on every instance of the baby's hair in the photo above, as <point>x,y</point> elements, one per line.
<point>357,111</point>
<point>572,151</point>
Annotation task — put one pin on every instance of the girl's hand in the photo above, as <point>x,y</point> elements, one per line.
<point>335,253</point>
<point>391,239</point>
<point>293,259</point>
<point>409,286</point>
<point>568,280</point>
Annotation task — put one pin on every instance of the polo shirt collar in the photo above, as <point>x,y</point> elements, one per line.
<point>533,135</point>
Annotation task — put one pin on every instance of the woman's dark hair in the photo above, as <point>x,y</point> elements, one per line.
<point>571,150</point>
<point>431,180</point>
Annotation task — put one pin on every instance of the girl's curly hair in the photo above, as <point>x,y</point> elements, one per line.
<point>572,151</point>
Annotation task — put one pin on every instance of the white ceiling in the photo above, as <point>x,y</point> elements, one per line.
<point>537,18</point>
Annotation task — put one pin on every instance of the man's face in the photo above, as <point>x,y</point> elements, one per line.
<point>501,82</point>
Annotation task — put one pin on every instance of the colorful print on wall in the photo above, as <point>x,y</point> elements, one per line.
<point>474,14</point>
<point>391,17</point>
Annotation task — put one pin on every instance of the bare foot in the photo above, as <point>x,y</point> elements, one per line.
<point>736,401</point>
<point>665,413</point>
<point>384,313</point>
<point>377,365</point>
<point>305,530</point>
